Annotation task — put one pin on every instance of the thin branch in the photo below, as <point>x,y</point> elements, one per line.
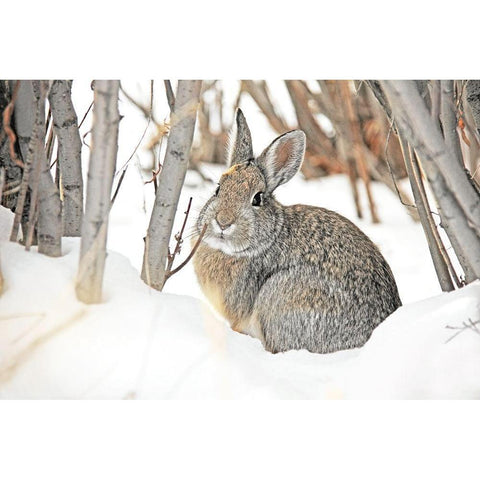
<point>468,325</point>
<point>155,174</point>
<point>85,116</point>
<point>357,144</point>
<point>179,238</point>
<point>190,256</point>
<point>434,242</point>
<point>390,170</point>
<point>148,114</point>
<point>117,188</point>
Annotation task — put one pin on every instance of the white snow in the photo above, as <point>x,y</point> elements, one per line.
<point>140,343</point>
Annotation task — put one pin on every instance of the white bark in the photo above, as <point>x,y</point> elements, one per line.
<point>99,186</point>
<point>170,182</point>
<point>429,228</point>
<point>448,119</point>
<point>65,123</point>
<point>458,202</point>
<point>30,124</point>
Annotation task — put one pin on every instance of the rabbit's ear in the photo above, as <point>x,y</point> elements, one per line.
<point>240,141</point>
<point>281,160</point>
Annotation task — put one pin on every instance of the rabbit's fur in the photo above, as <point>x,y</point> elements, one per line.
<point>296,277</point>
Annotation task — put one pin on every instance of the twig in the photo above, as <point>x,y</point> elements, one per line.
<point>179,239</point>
<point>83,139</point>
<point>155,174</point>
<point>117,188</point>
<point>192,253</point>
<point>147,111</point>
<point>469,325</point>
<point>85,116</point>
<point>149,115</point>
<point>390,169</point>
<point>49,147</point>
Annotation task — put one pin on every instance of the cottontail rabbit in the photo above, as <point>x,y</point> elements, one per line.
<point>296,277</point>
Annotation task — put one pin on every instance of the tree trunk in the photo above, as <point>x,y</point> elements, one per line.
<point>429,228</point>
<point>30,127</point>
<point>69,162</point>
<point>458,202</point>
<point>448,119</point>
<point>99,186</point>
<point>170,182</point>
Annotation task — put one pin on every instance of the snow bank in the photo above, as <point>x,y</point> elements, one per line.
<point>428,349</point>
<point>140,343</point>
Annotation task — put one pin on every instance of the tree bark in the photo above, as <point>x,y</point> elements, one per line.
<point>426,219</point>
<point>170,182</point>
<point>65,124</point>
<point>448,119</point>
<point>99,186</point>
<point>458,202</point>
<point>30,127</point>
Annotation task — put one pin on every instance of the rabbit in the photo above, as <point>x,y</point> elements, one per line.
<point>295,277</point>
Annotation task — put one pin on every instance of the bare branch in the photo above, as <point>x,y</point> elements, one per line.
<point>190,256</point>
<point>179,239</point>
<point>357,146</point>
<point>459,203</point>
<point>437,251</point>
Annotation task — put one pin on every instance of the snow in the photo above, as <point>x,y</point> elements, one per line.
<point>140,343</point>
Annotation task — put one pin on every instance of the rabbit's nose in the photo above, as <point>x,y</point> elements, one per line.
<point>224,221</point>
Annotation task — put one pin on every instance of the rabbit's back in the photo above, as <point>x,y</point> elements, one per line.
<point>337,282</point>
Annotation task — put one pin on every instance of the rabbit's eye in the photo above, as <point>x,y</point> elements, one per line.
<point>216,191</point>
<point>257,200</point>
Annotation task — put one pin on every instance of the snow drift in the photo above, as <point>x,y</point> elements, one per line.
<point>140,343</point>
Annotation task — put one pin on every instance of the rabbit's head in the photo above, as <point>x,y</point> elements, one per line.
<point>242,215</point>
